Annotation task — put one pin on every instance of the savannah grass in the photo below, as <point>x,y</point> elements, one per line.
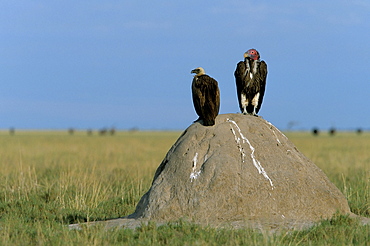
<point>51,179</point>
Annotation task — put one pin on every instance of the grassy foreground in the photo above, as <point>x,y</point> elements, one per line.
<point>51,179</point>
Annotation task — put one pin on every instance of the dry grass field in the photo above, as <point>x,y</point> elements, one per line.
<point>51,179</point>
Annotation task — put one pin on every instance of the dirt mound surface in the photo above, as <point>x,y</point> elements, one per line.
<point>243,168</point>
<point>241,172</point>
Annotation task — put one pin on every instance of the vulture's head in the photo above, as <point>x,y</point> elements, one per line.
<point>198,71</point>
<point>253,54</point>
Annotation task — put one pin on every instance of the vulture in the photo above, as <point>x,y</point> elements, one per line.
<point>206,97</point>
<point>250,77</point>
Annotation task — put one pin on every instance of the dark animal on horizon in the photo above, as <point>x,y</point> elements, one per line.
<point>103,131</point>
<point>250,77</point>
<point>206,97</point>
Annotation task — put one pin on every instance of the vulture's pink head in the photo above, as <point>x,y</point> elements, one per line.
<point>253,54</point>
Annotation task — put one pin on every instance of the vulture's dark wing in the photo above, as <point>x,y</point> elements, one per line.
<point>206,98</point>
<point>212,105</point>
<point>240,80</point>
<point>198,97</point>
<point>261,77</point>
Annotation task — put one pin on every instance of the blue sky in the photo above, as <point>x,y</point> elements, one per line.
<point>95,64</point>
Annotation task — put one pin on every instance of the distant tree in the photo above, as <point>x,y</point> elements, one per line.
<point>292,124</point>
<point>315,131</point>
<point>11,131</point>
<point>134,129</point>
<point>332,131</point>
<point>359,131</point>
<point>112,131</point>
<point>71,131</point>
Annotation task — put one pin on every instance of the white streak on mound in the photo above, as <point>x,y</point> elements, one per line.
<point>271,127</point>
<point>237,140</point>
<point>194,174</point>
<point>277,139</point>
<point>256,163</point>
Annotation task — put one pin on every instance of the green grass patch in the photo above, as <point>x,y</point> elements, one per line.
<point>51,179</point>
